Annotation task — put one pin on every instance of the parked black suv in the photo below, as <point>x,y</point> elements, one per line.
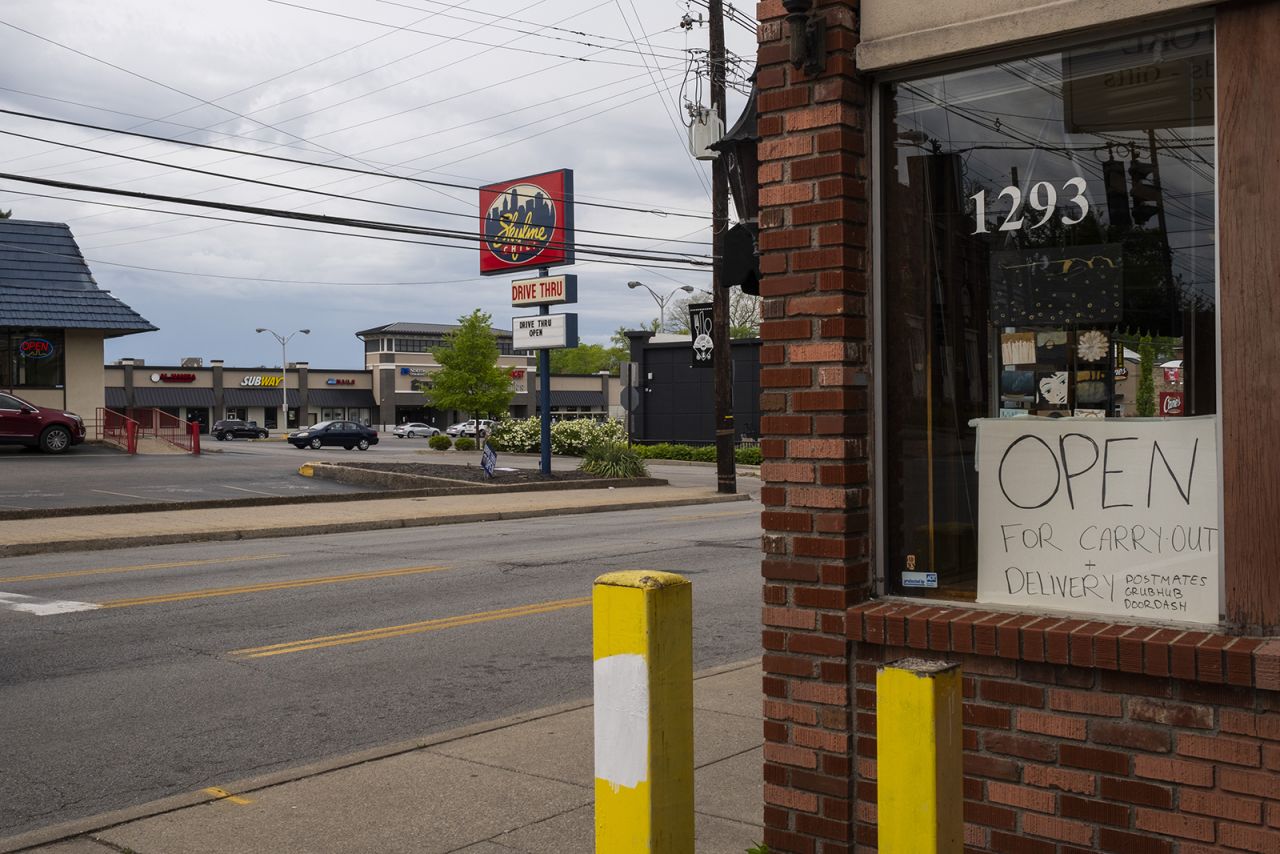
<point>237,430</point>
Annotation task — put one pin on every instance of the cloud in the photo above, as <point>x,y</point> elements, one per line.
<point>618,139</point>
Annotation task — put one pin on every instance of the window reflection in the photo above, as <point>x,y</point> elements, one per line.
<point>1049,251</point>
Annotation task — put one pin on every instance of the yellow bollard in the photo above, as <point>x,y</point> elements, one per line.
<point>919,773</point>
<point>643,639</point>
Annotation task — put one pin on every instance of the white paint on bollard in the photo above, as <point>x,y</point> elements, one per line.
<point>622,720</point>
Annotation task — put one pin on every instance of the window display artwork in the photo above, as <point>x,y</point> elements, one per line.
<point>1051,285</point>
<point>1018,348</point>
<point>1049,230</point>
<point>1053,389</point>
<point>1092,346</point>
<point>1017,383</point>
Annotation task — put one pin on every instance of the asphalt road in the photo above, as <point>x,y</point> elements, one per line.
<point>92,476</point>
<point>204,664</point>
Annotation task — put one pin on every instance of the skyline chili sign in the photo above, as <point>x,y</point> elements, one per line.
<point>527,223</point>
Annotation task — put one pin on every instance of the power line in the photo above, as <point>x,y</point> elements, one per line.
<point>434,186</point>
<point>290,188</point>
<point>383,171</point>
<point>28,248</point>
<point>152,80</point>
<point>243,89</point>
<point>378,237</point>
<point>348,222</point>
<point>497,26</point>
<point>309,93</point>
<point>451,37</point>
<point>300,162</point>
<point>676,126</point>
<point>180,92</point>
<point>441,67</point>
<point>272,198</point>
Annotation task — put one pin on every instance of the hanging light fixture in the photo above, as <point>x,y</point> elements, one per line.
<point>808,48</point>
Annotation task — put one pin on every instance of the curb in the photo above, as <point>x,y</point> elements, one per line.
<point>106,821</point>
<point>50,547</point>
<point>460,488</point>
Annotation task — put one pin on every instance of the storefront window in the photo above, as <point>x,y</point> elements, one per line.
<point>32,359</point>
<point>1048,248</point>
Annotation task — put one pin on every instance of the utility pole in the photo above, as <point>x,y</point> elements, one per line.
<point>722,365</point>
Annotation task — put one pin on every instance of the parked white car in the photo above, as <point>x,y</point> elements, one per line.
<point>412,431</point>
<point>468,428</point>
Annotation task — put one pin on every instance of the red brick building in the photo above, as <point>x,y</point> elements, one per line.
<point>977,218</point>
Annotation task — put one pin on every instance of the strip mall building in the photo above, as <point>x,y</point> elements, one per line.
<point>973,216</point>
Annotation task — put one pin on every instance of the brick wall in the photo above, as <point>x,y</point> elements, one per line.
<point>1067,760</point>
<point>814,424</point>
<point>1078,739</point>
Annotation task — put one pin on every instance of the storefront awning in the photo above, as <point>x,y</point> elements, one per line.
<point>169,397</point>
<point>266,397</point>
<point>359,397</point>
<point>578,399</point>
<point>115,398</point>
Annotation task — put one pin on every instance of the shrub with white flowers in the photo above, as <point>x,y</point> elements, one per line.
<point>570,438</point>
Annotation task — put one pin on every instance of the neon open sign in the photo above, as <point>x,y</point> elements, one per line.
<point>36,348</point>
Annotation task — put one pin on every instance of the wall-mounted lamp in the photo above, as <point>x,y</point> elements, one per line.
<point>808,36</point>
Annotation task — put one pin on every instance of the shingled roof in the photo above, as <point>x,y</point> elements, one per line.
<point>45,283</point>
<point>420,329</point>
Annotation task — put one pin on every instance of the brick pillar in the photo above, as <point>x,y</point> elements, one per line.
<point>815,424</point>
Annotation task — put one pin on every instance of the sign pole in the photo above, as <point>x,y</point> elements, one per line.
<point>544,392</point>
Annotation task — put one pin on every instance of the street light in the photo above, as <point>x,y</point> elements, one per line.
<point>661,300</point>
<point>284,371</point>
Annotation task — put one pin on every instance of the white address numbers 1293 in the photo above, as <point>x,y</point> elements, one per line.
<point>1043,197</point>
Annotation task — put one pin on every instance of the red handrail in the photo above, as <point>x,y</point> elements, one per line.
<point>118,429</point>
<point>168,428</point>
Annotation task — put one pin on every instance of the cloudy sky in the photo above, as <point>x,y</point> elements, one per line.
<point>459,91</point>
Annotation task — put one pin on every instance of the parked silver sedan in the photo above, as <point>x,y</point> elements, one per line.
<point>412,431</point>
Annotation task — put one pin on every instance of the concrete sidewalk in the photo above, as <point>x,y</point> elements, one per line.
<point>520,785</point>
<point>148,528</point>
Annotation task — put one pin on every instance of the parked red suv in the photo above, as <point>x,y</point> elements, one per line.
<point>51,430</point>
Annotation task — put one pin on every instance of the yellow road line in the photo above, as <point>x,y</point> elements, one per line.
<point>752,512</point>
<point>270,585</point>
<point>413,628</point>
<point>75,573</point>
<point>224,795</point>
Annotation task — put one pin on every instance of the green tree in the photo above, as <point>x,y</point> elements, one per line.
<point>587,359</point>
<point>6,214</point>
<point>469,379</point>
<point>1146,402</point>
<point>744,314</point>
<point>593,358</point>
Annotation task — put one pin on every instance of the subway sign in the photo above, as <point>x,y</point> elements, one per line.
<point>262,381</point>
